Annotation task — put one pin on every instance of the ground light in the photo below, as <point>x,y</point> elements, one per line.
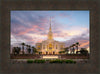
<point>50,57</point>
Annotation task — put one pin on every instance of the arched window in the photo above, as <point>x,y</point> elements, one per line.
<point>56,46</point>
<point>47,46</point>
<point>50,46</point>
<point>43,46</point>
<point>61,46</point>
<point>38,46</point>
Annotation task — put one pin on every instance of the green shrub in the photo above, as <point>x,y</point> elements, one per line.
<point>74,62</point>
<point>70,61</point>
<point>63,60</point>
<point>50,61</point>
<point>39,61</point>
<point>47,59</point>
<point>29,61</point>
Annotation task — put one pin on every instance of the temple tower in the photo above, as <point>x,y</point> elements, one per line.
<point>50,35</point>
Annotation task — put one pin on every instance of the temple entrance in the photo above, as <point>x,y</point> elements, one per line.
<point>50,46</point>
<point>50,52</point>
<point>46,52</point>
<point>53,52</point>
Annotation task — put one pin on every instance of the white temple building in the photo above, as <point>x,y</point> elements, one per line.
<point>50,46</point>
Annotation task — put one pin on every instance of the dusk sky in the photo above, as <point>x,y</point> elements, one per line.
<point>67,26</point>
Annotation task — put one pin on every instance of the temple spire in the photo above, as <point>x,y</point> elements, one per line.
<point>50,24</point>
<point>50,36</point>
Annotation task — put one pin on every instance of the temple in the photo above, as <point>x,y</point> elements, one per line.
<point>50,46</point>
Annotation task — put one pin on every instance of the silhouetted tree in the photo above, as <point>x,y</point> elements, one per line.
<point>34,49</point>
<point>40,52</point>
<point>84,51</point>
<point>77,44</point>
<point>67,50</point>
<point>23,44</point>
<point>73,49</point>
<point>16,50</point>
<point>70,49</point>
<point>29,49</point>
<point>61,52</point>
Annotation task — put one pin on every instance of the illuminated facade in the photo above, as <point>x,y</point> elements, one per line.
<point>50,46</point>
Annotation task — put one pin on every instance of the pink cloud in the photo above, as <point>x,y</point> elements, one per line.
<point>34,29</point>
<point>40,40</point>
<point>84,44</point>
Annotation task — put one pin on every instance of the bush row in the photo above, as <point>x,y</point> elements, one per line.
<point>50,61</point>
<point>36,61</point>
<point>62,61</point>
<point>70,61</point>
<point>39,61</point>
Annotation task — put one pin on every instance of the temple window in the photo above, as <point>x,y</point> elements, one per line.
<point>61,46</point>
<point>56,46</point>
<point>44,47</point>
<point>38,46</point>
<point>50,46</point>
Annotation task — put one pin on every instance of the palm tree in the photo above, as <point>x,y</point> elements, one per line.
<point>23,44</point>
<point>34,49</point>
<point>84,51</point>
<point>77,44</point>
<point>29,49</point>
<point>70,49</point>
<point>66,49</point>
<point>16,50</point>
<point>13,50</point>
<point>73,49</point>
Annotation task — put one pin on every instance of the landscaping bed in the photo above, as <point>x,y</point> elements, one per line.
<point>40,61</point>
